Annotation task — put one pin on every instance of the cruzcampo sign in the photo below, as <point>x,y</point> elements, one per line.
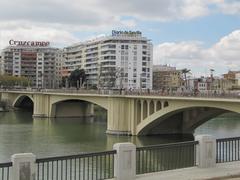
<point>29,43</point>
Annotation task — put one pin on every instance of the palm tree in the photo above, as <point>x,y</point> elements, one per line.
<point>185,71</point>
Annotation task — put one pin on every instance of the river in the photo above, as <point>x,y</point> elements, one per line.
<point>20,133</point>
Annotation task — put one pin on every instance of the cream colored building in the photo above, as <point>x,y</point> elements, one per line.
<point>166,77</point>
<point>234,78</point>
<point>1,66</point>
<point>121,60</point>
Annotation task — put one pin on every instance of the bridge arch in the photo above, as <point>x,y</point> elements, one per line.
<point>74,107</point>
<point>24,101</point>
<point>203,112</point>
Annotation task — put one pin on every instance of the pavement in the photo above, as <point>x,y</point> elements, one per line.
<point>222,171</point>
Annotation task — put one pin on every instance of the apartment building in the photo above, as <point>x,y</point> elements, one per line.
<point>234,77</point>
<point>122,60</point>
<point>31,59</point>
<point>1,66</point>
<point>166,77</point>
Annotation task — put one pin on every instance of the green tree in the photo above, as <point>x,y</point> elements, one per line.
<point>77,77</point>
<point>186,71</point>
<point>12,81</point>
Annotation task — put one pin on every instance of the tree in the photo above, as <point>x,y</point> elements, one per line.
<point>186,71</point>
<point>77,78</point>
<point>107,77</point>
<point>11,81</point>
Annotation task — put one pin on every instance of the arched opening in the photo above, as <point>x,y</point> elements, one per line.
<point>74,108</point>
<point>165,104</point>
<point>159,105</point>
<point>182,121</point>
<point>138,111</point>
<point>24,103</point>
<point>151,108</point>
<point>144,109</point>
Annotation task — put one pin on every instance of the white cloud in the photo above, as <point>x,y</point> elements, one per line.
<point>60,20</point>
<point>229,6</point>
<point>222,56</point>
<point>21,31</point>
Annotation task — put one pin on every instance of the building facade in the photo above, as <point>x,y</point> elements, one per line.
<point>122,61</point>
<point>234,77</point>
<point>1,66</point>
<point>166,78</point>
<point>31,59</point>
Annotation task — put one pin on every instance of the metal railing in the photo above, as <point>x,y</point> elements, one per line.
<point>165,157</point>
<point>92,166</point>
<point>228,149</point>
<point>228,95</point>
<point>5,171</point>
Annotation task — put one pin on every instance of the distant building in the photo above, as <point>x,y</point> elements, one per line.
<point>222,85</point>
<point>166,78</point>
<point>34,60</point>
<point>1,66</point>
<point>202,84</point>
<point>210,84</point>
<point>59,62</point>
<point>122,60</point>
<point>234,78</point>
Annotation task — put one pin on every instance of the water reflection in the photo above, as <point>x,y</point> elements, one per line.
<point>226,125</point>
<point>20,133</point>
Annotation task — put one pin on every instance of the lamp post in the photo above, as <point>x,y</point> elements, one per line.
<point>211,75</point>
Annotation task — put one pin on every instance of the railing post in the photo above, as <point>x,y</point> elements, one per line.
<point>206,151</point>
<point>24,167</point>
<point>125,161</point>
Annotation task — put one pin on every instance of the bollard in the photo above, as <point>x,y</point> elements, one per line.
<point>125,161</point>
<point>23,166</point>
<point>206,151</point>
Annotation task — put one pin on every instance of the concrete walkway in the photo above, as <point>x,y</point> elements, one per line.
<point>222,171</point>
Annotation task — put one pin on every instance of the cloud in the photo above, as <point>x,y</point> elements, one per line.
<point>61,20</point>
<point>231,7</point>
<point>222,56</point>
<point>21,31</point>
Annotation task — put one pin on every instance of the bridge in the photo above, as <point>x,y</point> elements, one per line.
<point>127,114</point>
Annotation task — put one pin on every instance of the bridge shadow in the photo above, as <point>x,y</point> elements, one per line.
<point>77,109</point>
<point>24,103</point>
<point>181,121</point>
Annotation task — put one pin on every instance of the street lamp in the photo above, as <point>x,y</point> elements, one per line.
<point>211,74</point>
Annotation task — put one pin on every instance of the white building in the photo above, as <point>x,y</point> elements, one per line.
<point>1,66</point>
<point>34,60</point>
<point>122,60</point>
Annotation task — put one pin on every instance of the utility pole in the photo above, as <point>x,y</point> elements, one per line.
<point>211,76</point>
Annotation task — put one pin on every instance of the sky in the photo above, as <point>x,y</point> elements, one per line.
<point>196,34</point>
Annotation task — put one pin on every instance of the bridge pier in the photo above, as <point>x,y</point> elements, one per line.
<point>42,107</point>
<point>121,116</point>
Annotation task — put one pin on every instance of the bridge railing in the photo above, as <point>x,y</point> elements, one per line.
<point>210,94</point>
<point>5,171</point>
<point>166,157</point>
<point>228,149</point>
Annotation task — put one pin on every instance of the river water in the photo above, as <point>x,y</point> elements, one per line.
<point>20,133</point>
